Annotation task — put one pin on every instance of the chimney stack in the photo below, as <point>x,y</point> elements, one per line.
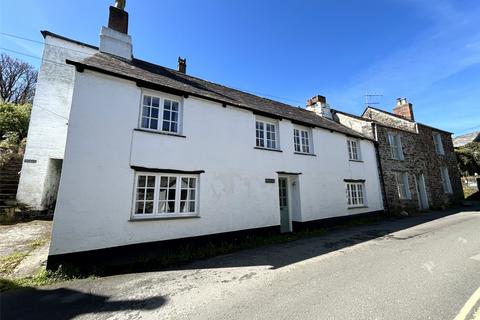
<point>182,65</point>
<point>404,109</point>
<point>114,39</point>
<point>319,105</point>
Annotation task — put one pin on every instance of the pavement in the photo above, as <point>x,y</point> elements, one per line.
<point>425,267</point>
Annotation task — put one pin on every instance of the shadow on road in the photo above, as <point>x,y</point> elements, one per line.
<point>63,304</point>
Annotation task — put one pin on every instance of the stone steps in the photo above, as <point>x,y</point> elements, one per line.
<point>9,179</point>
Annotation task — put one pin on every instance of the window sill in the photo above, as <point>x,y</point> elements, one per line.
<point>268,149</point>
<point>169,217</point>
<point>160,132</point>
<point>357,207</point>
<point>353,160</point>
<point>305,154</point>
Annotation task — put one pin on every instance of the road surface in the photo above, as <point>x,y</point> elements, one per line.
<point>424,267</point>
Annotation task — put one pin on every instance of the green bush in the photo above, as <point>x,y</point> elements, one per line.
<point>14,120</point>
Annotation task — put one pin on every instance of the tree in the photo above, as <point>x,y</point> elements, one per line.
<point>17,80</point>
<point>14,119</point>
<point>469,158</point>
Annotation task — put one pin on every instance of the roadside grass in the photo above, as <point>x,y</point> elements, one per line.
<point>10,262</point>
<point>41,278</point>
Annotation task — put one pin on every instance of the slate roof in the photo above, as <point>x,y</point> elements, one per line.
<point>402,118</point>
<point>158,77</point>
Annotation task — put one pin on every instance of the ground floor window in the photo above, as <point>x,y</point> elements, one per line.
<point>356,194</point>
<point>164,194</point>
<point>447,186</point>
<point>401,178</point>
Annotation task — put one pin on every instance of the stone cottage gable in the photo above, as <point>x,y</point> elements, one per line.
<point>389,119</point>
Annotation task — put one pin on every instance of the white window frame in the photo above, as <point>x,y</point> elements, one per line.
<point>403,185</point>
<point>447,185</point>
<point>356,194</point>
<point>437,141</point>
<point>156,199</point>
<point>354,150</point>
<point>302,140</point>
<point>395,144</point>
<point>264,124</point>
<point>161,109</point>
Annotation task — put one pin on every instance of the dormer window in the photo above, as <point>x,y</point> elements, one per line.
<point>160,114</point>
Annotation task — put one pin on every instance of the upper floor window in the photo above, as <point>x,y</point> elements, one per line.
<point>395,143</point>
<point>353,149</point>
<point>355,194</point>
<point>165,194</point>
<point>401,178</point>
<point>160,114</point>
<point>447,186</point>
<point>266,134</point>
<point>437,141</point>
<point>301,141</point>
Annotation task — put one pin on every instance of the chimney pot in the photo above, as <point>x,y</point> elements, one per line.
<point>118,20</point>
<point>182,65</point>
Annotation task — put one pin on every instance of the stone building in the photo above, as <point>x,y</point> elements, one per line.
<point>417,162</point>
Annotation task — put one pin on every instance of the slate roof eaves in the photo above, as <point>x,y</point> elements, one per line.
<point>138,70</point>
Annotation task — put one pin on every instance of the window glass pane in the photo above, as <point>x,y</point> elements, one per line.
<point>155,102</point>
<point>166,126</point>
<point>151,181</point>
<point>149,207</point>
<point>166,115</point>
<point>141,181</point>
<point>163,194</point>
<point>174,116</point>
<point>183,194</point>
<point>147,100</point>
<point>183,206</point>
<point>149,194</point>
<point>140,194</point>
<point>175,106</point>
<point>146,111</point>
<point>192,195</point>
<point>167,104</point>
<point>191,206</point>
<point>171,206</point>
<point>144,122</point>
<point>192,182</point>
<point>155,113</point>
<point>154,124</point>
<point>174,127</point>
<point>184,182</point>
<point>139,207</point>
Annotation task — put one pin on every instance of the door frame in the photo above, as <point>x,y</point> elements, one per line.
<point>289,201</point>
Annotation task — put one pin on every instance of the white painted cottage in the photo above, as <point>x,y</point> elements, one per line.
<point>154,154</point>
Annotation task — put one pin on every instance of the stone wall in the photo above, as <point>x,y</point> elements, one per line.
<point>420,157</point>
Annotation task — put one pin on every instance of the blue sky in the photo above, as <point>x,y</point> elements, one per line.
<point>427,51</point>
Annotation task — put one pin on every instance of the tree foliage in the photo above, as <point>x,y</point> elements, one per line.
<point>14,120</point>
<point>17,80</point>
<point>468,158</point>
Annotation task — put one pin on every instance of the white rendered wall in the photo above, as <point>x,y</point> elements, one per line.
<point>96,189</point>
<point>49,120</point>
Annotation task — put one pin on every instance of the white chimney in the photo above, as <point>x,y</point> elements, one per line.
<point>114,39</point>
<point>319,105</point>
